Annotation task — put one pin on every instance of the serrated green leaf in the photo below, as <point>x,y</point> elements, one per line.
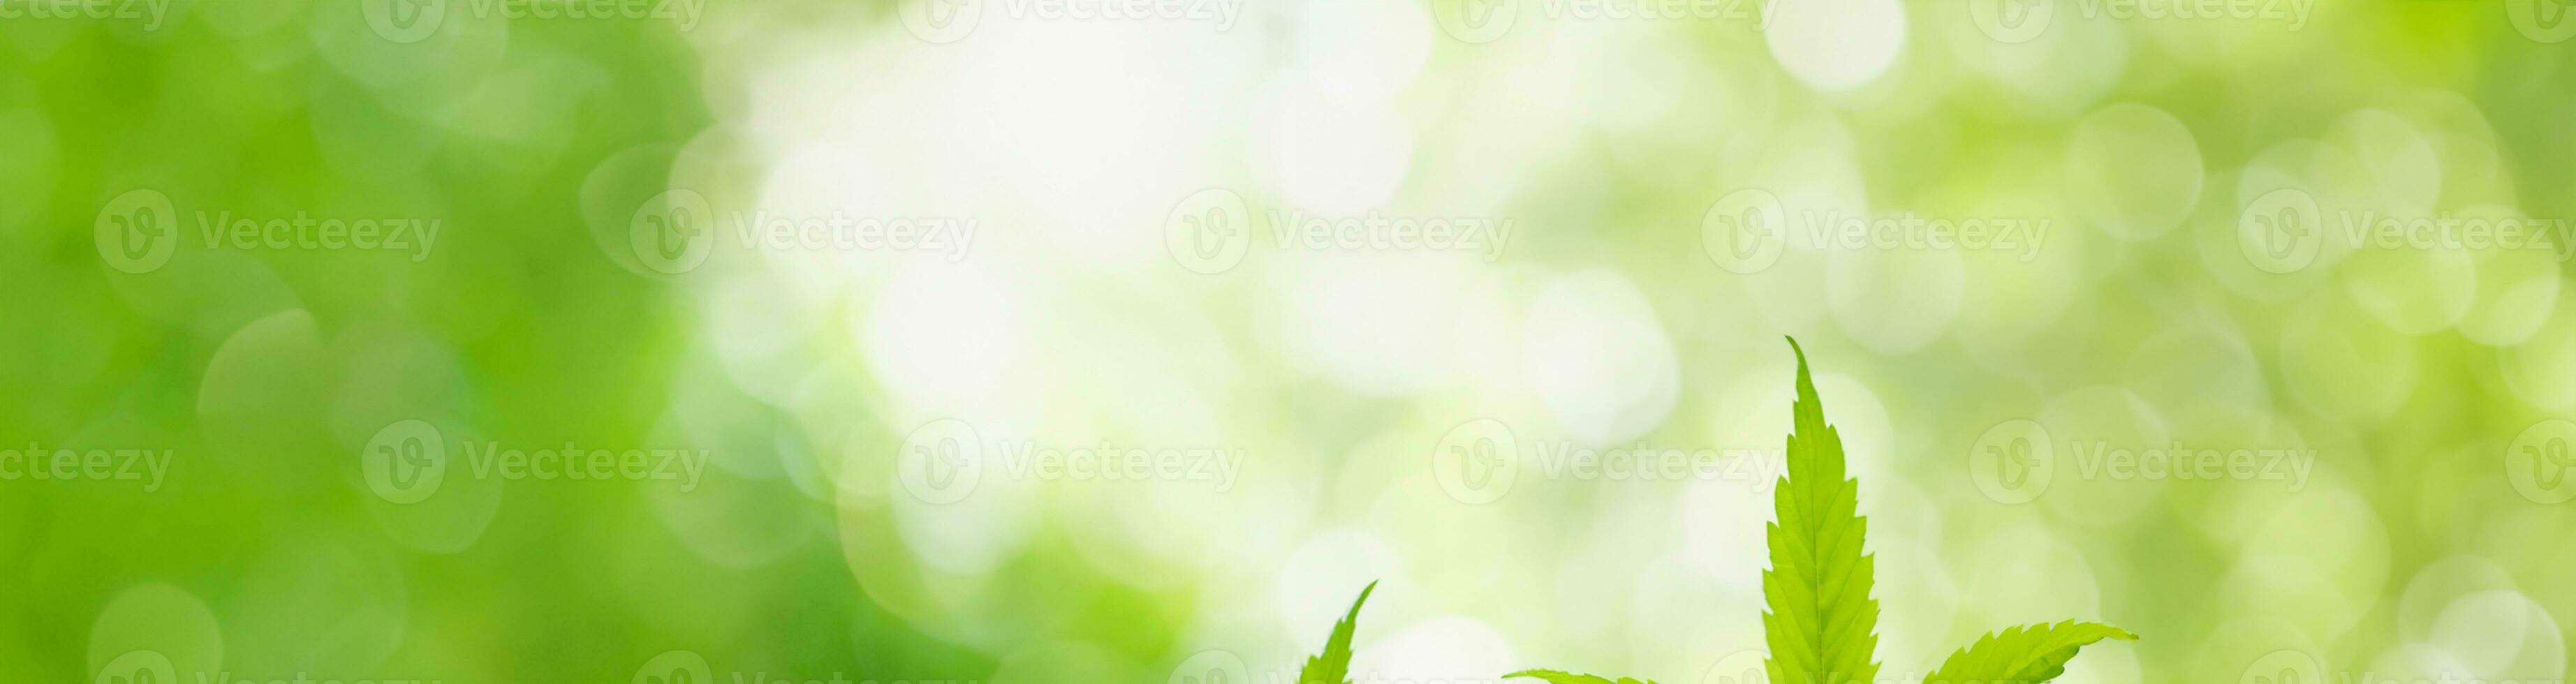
<point>1819,618</point>
<point>2029,654</point>
<point>1557,677</point>
<point>1333,666</point>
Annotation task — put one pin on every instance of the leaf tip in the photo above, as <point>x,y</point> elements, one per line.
<point>1354,616</point>
<point>1806,380</point>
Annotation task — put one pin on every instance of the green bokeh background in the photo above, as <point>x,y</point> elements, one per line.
<point>2422,541</point>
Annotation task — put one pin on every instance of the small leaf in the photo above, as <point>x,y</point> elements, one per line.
<point>1333,666</point>
<point>1819,618</point>
<point>2028,654</point>
<point>1557,677</point>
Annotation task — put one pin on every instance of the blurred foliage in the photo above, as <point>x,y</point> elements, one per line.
<point>2415,389</point>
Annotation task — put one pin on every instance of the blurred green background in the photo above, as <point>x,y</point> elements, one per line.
<point>1035,341</point>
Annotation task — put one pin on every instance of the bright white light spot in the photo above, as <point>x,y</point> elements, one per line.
<point>1836,44</point>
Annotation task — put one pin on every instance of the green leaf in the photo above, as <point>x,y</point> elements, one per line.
<point>1820,621</point>
<point>2028,654</point>
<point>1333,666</point>
<point>1818,616</point>
<point>1555,677</point>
